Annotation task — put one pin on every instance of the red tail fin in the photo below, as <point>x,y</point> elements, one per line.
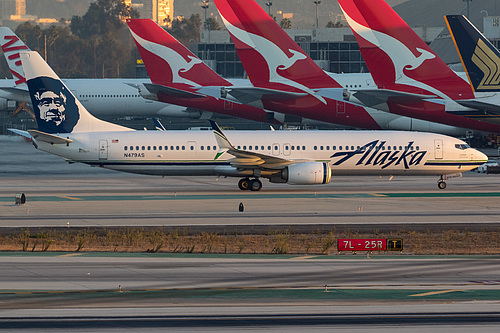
<point>167,61</point>
<point>269,55</point>
<point>396,56</point>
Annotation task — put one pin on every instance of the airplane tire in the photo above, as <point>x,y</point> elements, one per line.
<point>255,185</point>
<point>441,185</point>
<point>244,184</point>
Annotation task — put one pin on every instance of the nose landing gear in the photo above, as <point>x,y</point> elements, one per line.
<point>250,184</point>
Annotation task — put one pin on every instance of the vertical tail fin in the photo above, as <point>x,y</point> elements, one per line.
<point>480,58</point>
<point>11,46</point>
<point>396,56</point>
<point>269,55</point>
<point>167,61</point>
<point>56,108</point>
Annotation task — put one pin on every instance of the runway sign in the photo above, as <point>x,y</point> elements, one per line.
<point>370,245</point>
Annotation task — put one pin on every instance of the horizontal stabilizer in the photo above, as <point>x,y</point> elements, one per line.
<point>156,88</point>
<point>17,94</point>
<point>488,108</point>
<point>49,138</point>
<point>21,133</point>
<point>248,95</point>
<point>373,97</point>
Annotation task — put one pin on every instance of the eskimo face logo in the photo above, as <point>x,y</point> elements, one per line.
<point>55,108</point>
<point>176,61</point>
<point>52,107</point>
<point>372,154</point>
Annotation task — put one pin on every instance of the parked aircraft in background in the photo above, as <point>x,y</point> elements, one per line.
<point>481,60</point>
<point>412,80</point>
<point>67,129</point>
<point>161,52</point>
<point>274,61</point>
<point>102,97</point>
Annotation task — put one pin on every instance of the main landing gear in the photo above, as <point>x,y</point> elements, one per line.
<point>441,183</point>
<point>250,184</point>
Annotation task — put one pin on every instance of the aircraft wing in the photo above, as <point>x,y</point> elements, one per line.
<point>174,92</point>
<point>16,94</point>
<point>246,159</point>
<point>49,138</point>
<point>372,97</point>
<point>21,133</point>
<point>248,95</point>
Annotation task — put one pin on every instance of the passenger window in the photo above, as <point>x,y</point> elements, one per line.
<point>131,147</point>
<point>244,147</point>
<point>268,147</point>
<point>327,147</point>
<point>293,147</point>
<point>143,148</point>
<point>400,148</point>
<point>208,148</point>
<point>154,147</point>
<point>334,148</point>
<point>303,147</point>
<point>176,147</point>
<point>183,147</point>
<point>315,147</point>
<point>321,148</point>
<point>191,147</point>
<point>261,147</point>
<point>125,148</point>
<point>202,147</point>
<point>159,147</point>
<point>149,147</point>
<point>136,147</point>
<point>215,147</point>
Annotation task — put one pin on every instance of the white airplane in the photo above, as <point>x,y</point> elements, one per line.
<point>67,129</point>
<point>103,97</point>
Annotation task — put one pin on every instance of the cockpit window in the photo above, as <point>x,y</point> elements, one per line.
<point>462,146</point>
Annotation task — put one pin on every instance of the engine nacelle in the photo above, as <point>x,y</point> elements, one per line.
<point>307,173</point>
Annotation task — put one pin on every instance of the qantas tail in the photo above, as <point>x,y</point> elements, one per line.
<point>398,58</point>
<point>11,46</point>
<point>270,57</point>
<point>56,108</point>
<point>167,61</point>
<point>480,58</point>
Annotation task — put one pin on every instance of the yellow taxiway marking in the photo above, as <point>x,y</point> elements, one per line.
<point>304,257</point>
<point>378,195</point>
<point>436,292</point>
<point>70,198</point>
<point>71,255</point>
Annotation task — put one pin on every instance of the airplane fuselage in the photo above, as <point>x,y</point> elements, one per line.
<point>175,153</point>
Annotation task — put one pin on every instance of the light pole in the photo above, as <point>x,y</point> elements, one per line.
<point>317,2</point>
<point>269,4</point>
<point>205,7</point>
<point>468,3</point>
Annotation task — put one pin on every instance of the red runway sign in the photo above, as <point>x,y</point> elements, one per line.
<point>370,245</point>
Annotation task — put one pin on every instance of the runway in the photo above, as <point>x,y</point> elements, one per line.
<point>55,291</point>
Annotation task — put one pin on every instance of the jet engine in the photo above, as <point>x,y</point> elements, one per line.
<point>305,173</point>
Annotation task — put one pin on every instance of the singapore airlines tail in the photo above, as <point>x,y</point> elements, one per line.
<point>397,58</point>
<point>480,58</point>
<point>55,107</point>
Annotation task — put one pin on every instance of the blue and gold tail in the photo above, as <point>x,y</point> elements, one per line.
<point>480,58</point>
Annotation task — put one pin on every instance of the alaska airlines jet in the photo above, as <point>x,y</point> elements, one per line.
<point>481,60</point>
<point>67,129</point>
<point>159,51</point>
<point>412,80</point>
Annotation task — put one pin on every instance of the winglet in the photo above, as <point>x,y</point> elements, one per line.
<point>222,140</point>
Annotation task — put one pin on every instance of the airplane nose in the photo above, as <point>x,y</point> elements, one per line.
<point>480,155</point>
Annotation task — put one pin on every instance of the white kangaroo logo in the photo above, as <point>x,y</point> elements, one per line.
<point>176,62</point>
<point>401,57</point>
<point>275,58</point>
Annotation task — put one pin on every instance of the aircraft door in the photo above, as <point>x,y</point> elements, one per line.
<point>287,149</point>
<point>276,149</point>
<point>191,149</point>
<point>340,107</point>
<point>438,149</point>
<point>103,149</point>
